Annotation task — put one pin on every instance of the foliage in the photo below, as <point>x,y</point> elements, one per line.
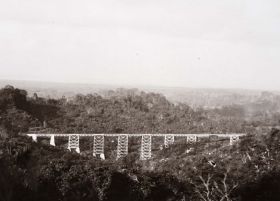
<point>207,170</point>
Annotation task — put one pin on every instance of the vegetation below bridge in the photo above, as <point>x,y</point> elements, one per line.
<point>207,170</point>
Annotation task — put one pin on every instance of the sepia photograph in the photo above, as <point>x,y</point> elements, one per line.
<point>147,100</point>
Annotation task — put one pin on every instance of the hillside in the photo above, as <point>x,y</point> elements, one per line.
<point>207,170</point>
<point>118,113</point>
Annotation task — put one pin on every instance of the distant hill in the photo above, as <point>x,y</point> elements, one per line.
<point>209,98</point>
<point>195,97</point>
<point>54,89</point>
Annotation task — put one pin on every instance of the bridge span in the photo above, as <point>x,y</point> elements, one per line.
<point>122,147</point>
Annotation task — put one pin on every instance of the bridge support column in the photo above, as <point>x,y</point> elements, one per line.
<point>122,149</point>
<point>98,146</point>
<point>191,138</point>
<point>233,139</point>
<point>146,147</point>
<point>52,142</point>
<point>168,140</point>
<point>34,137</point>
<point>73,143</point>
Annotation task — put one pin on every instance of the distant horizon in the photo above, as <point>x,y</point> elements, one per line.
<point>129,86</point>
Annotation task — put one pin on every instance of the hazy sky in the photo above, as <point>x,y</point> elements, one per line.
<point>191,43</point>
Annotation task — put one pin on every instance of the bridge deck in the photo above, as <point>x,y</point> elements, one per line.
<point>135,134</point>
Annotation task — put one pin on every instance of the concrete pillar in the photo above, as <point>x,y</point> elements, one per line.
<point>52,142</point>
<point>34,137</point>
<point>146,147</point>
<point>102,156</point>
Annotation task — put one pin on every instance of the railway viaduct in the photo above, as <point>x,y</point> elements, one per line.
<point>122,147</point>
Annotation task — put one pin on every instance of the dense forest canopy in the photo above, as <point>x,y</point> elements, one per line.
<point>130,111</point>
<point>207,170</point>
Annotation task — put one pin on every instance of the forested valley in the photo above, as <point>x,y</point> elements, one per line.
<point>209,170</point>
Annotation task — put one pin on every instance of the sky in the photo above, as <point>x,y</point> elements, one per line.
<point>185,43</point>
